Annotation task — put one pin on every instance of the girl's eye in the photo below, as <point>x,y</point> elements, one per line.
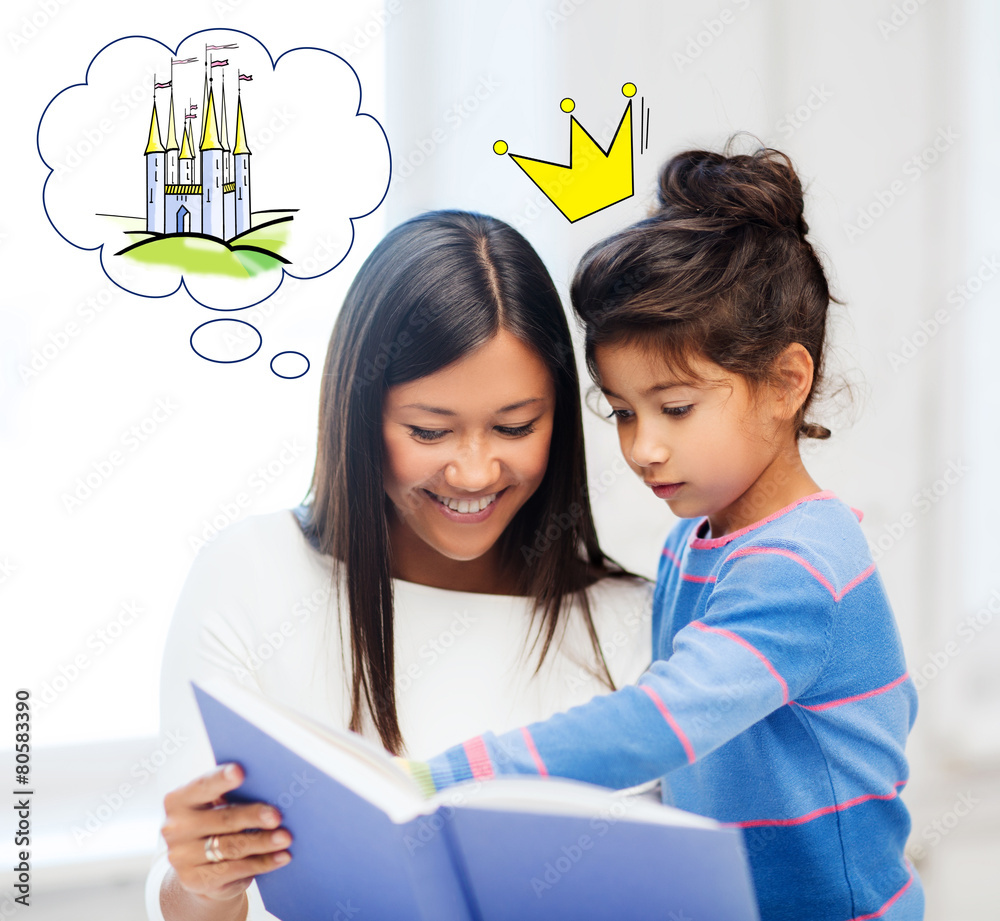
<point>677,410</point>
<point>427,434</point>
<point>516,431</point>
<point>620,414</point>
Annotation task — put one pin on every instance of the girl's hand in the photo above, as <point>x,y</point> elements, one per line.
<point>212,845</point>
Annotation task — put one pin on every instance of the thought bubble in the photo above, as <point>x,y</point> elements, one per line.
<point>226,341</point>
<point>311,163</point>
<point>289,365</point>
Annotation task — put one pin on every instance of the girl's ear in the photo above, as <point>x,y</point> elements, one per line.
<point>793,376</point>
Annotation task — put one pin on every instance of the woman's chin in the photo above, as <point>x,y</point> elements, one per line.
<point>462,548</point>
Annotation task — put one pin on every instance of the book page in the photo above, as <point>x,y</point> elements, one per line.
<point>557,796</point>
<point>347,757</point>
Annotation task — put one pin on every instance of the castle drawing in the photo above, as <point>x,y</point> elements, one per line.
<point>204,188</point>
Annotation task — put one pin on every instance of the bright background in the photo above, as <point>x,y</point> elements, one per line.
<point>857,92</point>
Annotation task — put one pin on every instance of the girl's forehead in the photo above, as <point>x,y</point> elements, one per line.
<point>637,363</point>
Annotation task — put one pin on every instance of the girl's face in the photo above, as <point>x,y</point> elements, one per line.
<point>466,446</point>
<point>707,448</point>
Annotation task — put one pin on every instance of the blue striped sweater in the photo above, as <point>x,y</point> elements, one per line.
<point>779,703</point>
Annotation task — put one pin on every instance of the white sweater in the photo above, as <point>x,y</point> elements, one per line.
<point>258,607</point>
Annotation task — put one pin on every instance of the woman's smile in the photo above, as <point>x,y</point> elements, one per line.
<point>466,510</point>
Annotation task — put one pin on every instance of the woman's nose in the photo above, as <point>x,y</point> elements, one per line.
<point>473,468</point>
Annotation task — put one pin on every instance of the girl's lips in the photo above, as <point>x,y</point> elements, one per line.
<point>466,517</point>
<point>665,490</point>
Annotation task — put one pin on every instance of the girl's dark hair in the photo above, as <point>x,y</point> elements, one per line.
<point>435,289</point>
<point>722,268</point>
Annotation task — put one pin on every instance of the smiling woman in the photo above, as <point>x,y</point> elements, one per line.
<point>445,571</point>
<point>465,446</point>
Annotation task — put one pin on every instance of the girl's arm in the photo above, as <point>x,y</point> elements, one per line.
<point>763,640</point>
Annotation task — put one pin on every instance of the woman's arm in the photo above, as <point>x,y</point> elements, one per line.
<point>221,614</point>
<point>198,823</point>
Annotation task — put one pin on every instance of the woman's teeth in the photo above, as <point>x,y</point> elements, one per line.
<point>465,506</point>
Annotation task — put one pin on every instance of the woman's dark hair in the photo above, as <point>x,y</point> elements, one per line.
<point>435,289</point>
<point>722,268</point>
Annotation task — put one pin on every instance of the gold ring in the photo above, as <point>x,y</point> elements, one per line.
<point>212,852</point>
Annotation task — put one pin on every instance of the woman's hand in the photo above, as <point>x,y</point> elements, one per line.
<point>217,848</point>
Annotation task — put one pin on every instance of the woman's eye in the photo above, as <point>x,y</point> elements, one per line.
<point>678,410</point>
<point>516,431</point>
<point>427,434</point>
<point>620,414</point>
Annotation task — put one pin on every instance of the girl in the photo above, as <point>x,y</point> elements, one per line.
<point>780,701</point>
<point>450,438</point>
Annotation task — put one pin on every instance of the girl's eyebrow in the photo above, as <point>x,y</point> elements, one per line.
<point>449,412</point>
<point>656,388</point>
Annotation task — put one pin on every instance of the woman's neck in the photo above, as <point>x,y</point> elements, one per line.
<point>414,560</point>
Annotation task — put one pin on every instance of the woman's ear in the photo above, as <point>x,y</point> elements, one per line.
<point>793,375</point>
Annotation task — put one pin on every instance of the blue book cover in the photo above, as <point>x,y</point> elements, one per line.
<point>366,843</point>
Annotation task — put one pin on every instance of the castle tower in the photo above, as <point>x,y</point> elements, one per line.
<point>227,157</point>
<point>203,113</point>
<point>241,172</point>
<point>212,210</point>
<point>155,177</point>
<point>171,151</point>
<point>186,159</point>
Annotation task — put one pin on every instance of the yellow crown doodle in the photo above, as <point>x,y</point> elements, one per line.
<point>594,179</point>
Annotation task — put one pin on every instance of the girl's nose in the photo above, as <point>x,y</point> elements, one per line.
<point>648,447</point>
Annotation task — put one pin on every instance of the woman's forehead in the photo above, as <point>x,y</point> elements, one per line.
<point>502,374</point>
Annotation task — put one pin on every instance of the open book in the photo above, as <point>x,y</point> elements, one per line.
<point>368,844</point>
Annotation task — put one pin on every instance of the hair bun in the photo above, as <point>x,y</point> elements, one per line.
<point>718,191</point>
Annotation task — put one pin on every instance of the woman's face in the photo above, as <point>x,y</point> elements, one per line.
<point>466,446</point>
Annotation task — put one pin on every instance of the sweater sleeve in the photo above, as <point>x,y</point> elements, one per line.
<point>763,640</point>
<point>208,637</point>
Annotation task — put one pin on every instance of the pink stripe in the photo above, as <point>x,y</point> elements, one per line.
<point>530,743</point>
<point>669,554</point>
<point>816,813</point>
<point>812,570</point>
<point>850,700</point>
<point>706,543</point>
<point>856,580</point>
<point>665,713</point>
<point>479,758</point>
<point>698,625</point>
<point>890,903</point>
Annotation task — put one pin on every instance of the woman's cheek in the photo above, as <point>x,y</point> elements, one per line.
<point>536,457</point>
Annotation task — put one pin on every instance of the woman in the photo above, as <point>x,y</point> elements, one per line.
<point>448,543</point>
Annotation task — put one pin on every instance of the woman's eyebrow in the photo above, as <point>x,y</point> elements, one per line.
<point>430,409</point>
<point>437,410</point>
<point>513,406</point>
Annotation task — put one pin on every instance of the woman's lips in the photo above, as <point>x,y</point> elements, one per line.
<point>467,517</point>
<point>665,490</point>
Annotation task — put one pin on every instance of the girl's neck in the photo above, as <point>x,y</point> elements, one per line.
<point>782,482</point>
<point>413,560</point>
